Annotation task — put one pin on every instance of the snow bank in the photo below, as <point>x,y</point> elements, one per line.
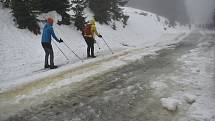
<point>169,103</point>
<point>189,98</point>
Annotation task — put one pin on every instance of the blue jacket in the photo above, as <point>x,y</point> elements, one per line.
<point>48,32</point>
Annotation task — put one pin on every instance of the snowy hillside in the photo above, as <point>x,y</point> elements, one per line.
<point>22,53</point>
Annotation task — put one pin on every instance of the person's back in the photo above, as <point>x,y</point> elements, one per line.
<point>88,34</point>
<point>46,36</point>
<point>48,32</point>
<point>87,30</point>
<point>90,29</point>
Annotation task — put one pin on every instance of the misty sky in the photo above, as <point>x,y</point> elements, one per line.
<point>200,10</point>
<point>184,11</point>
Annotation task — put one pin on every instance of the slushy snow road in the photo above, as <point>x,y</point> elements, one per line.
<point>174,83</point>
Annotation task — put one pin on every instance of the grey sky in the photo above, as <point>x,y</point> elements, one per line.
<point>184,11</point>
<point>200,11</point>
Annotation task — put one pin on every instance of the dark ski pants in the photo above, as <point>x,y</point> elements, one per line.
<point>90,45</point>
<point>48,51</point>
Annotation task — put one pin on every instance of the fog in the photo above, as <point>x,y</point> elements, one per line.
<point>183,11</point>
<point>200,11</point>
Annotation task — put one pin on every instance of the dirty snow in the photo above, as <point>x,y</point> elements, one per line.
<point>169,103</point>
<point>190,98</point>
<point>193,83</point>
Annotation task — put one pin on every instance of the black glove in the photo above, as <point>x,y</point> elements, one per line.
<point>60,40</point>
<point>100,36</point>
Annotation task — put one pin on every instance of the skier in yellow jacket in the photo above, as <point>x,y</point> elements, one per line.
<point>89,33</point>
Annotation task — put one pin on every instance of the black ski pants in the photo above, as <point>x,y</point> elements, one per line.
<point>48,51</point>
<point>90,45</point>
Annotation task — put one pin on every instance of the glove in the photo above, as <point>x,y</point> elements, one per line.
<point>100,36</point>
<point>60,40</point>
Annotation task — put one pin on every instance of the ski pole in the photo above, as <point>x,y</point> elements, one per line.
<point>107,45</point>
<point>72,51</point>
<point>61,51</point>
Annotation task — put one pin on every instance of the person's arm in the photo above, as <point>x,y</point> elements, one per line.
<point>95,30</point>
<point>53,34</point>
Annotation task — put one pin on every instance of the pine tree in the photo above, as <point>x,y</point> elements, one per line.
<point>107,10</point>
<point>36,6</point>
<point>78,7</point>
<point>60,6</point>
<point>24,16</point>
<point>117,12</point>
<point>101,10</point>
<point>124,20</point>
<point>6,3</point>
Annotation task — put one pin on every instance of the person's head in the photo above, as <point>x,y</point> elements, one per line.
<point>50,21</point>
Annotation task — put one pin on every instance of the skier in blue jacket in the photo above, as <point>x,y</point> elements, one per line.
<point>48,33</point>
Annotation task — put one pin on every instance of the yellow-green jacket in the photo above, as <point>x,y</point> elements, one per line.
<point>93,30</point>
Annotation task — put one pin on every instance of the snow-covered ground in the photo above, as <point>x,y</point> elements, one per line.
<point>22,54</point>
<point>200,63</point>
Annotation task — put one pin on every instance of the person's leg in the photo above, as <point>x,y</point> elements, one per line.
<point>87,39</point>
<point>50,50</point>
<point>92,47</point>
<point>51,55</point>
<point>45,47</point>
<point>88,51</point>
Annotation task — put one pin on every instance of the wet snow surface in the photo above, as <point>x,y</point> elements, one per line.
<point>182,72</point>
